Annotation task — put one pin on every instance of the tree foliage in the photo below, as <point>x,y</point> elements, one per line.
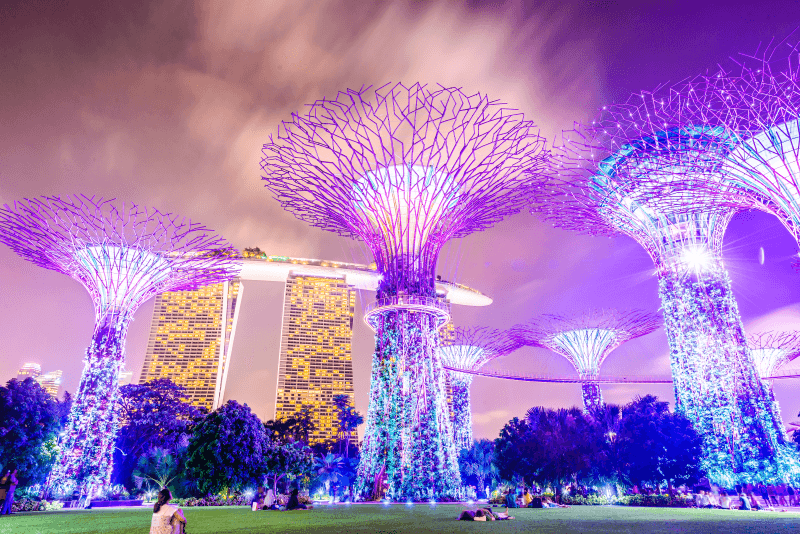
<point>287,461</point>
<point>298,427</point>
<point>349,419</point>
<point>154,415</point>
<point>29,424</point>
<point>641,442</point>
<point>227,449</point>
<point>477,464</point>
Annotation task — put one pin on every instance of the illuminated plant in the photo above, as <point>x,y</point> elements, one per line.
<point>405,169</point>
<point>469,350</point>
<point>653,169</point>
<point>771,351</point>
<point>586,341</point>
<point>122,255</point>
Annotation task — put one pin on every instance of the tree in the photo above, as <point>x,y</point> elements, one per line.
<point>349,419</point>
<point>477,463</point>
<point>29,426</point>
<point>154,415</point>
<point>298,427</point>
<point>287,461</point>
<point>329,470</point>
<point>157,466</point>
<point>683,446</point>
<point>227,449</point>
<point>641,441</point>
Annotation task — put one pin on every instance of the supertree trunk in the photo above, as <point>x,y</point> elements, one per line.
<point>715,380</point>
<point>88,442</point>
<point>592,395</point>
<point>462,416</point>
<point>408,434</point>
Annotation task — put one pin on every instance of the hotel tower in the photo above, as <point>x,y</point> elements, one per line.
<point>315,355</point>
<point>191,339</point>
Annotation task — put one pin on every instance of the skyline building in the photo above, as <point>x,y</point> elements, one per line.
<point>51,382</point>
<point>125,378</point>
<point>191,339</point>
<point>315,361</point>
<point>29,369</point>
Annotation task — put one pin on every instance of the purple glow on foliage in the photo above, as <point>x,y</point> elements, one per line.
<point>122,256</point>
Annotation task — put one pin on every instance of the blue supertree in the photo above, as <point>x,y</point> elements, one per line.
<point>469,350</point>
<point>405,169</point>
<point>122,255</point>
<point>653,168</point>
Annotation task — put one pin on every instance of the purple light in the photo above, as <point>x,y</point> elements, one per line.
<point>405,169</point>
<point>122,256</point>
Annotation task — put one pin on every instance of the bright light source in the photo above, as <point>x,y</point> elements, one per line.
<point>696,258</point>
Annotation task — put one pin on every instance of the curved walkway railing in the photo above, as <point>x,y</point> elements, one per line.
<point>434,306</point>
<point>575,379</point>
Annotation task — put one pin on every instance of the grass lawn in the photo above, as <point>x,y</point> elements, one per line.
<point>398,519</point>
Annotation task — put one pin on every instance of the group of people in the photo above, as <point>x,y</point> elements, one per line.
<point>8,485</point>
<point>266,500</point>
<point>516,499</point>
<point>777,495</point>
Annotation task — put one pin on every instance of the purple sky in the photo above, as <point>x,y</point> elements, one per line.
<point>168,105</point>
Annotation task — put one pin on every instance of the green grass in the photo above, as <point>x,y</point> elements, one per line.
<point>421,519</point>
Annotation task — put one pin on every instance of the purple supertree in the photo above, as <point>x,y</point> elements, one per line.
<point>469,350</point>
<point>773,350</point>
<point>405,169</point>
<point>586,340</point>
<point>652,169</point>
<point>122,255</point>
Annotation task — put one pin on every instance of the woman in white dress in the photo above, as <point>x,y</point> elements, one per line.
<point>167,518</point>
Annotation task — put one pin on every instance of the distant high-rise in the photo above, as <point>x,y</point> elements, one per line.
<point>191,339</point>
<point>315,356</point>
<point>51,382</point>
<point>125,378</point>
<point>30,369</point>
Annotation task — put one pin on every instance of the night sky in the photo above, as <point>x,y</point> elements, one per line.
<point>168,104</point>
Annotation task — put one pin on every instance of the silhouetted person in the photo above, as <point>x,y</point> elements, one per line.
<point>294,502</point>
<point>11,485</point>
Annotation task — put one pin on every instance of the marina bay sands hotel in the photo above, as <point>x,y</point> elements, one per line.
<point>192,333</point>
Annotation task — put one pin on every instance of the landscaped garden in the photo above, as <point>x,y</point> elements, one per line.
<point>419,519</point>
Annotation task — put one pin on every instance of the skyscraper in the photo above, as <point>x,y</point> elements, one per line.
<point>315,356</point>
<point>51,382</point>
<point>29,370</point>
<point>125,378</point>
<point>191,339</point>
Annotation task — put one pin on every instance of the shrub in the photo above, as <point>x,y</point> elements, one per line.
<point>28,505</point>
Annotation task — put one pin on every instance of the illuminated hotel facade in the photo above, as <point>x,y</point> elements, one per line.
<point>51,382</point>
<point>191,340</point>
<point>315,360</point>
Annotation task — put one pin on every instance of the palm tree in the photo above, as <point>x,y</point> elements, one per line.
<point>157,466</point>
<point>478,461</point>
<point>349,419</point>
<point>329,470</point>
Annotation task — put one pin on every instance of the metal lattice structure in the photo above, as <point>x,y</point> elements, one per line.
<point>122,255</point>
<point>469,350</point>
<point>772,350</point>
<point>654,168</point>
<point>586,340</point>
<point>405,169</point>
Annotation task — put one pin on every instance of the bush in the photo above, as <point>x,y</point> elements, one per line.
<point>213,500</point>
<point>28,505</point>
<point>591,500</point>
<point>654,501</point>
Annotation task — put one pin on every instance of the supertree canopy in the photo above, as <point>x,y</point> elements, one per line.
<point>773,350</point>
<point>405,169</point>
<point>469,350</point>
<point>586,340</point>
<point>653,169</point>
<point>122,255</point>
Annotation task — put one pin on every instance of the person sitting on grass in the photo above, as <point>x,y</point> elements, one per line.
<point>294,502</point>
<point>526,498</point>
<point>484,514</point>
<point>745,502</point>
<point>724,500</point>
<point>167,519</point>
<point>536,502</point>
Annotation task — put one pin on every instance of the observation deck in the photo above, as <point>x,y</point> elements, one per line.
<point>259,266</point>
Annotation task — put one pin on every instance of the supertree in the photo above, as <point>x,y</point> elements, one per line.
<point>652,168</point>
<point>405,169</point>
<point>469,350</point>
<point>122,255</point>
<point>586,340</point>
<point>773,350</point>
